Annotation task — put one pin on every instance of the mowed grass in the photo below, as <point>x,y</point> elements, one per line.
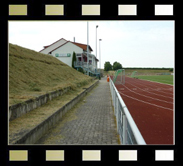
<point>145,71</point>
<point>142,71</point>
<point>32,74</point>
<point>33,118</point>
<point>149,74</point>
<point>166,79</point>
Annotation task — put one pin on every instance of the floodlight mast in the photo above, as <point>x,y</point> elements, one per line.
<point>96,40</point>
<point>100,53</point>
<point>87,47</point>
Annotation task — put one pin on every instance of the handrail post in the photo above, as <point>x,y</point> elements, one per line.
<point>124,117</point>
<point>113,95</point>
<point>117,111</point>
<point>124,130</point>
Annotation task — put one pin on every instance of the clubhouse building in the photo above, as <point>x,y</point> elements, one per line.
<point>63,50</point>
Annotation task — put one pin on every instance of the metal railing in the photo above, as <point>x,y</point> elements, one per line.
<point>91,67</point>
<point>126,127</point>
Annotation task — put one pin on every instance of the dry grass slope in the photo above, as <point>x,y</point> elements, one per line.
<point>32,73</point>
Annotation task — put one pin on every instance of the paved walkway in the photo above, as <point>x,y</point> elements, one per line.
<point>92,121</point>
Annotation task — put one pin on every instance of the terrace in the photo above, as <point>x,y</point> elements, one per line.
<point>81,62</point>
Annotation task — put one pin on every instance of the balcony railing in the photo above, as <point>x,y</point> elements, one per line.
<point>84,65</point>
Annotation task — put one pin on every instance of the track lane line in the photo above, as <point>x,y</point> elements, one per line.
<point>162,86</point>
<point>150,92</point>
<point>142,83</point>
<point>146,102</point>
<point>147,96</point>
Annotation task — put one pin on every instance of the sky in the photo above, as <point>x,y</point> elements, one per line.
<point>131,43</point>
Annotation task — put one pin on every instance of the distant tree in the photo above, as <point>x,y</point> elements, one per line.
<point>107,66</point>
<point>117,65</point>
<point>171,70</point>
<point>73,59</point>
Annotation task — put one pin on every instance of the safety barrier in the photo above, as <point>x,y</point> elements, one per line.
<point>126,127</point>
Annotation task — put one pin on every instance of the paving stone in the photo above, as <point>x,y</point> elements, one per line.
<point>94,122</point>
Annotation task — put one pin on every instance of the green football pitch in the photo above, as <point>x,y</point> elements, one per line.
<point>166,79</point>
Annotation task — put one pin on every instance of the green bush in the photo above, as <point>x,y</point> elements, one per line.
<point>81,70</point>
<point>73,59</point>
<point>171,70</point>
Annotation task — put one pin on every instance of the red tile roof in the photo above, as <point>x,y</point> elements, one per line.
<point>83,46</point>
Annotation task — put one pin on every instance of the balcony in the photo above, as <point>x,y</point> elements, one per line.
<point>84,65</point>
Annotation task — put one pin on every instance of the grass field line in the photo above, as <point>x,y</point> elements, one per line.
<point>162,80</point>
<point>146,102</point>
<point>148,96</point>
<point>155,81</point>
<point>150,92</point>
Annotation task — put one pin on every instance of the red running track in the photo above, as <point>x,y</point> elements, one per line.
<point>151,106</point>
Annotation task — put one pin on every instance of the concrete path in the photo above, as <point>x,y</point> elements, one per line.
<point>92,121</point>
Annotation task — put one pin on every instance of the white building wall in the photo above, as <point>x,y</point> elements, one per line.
<point>89,51</point>
<point>67,48</point>
<point>52,47</point>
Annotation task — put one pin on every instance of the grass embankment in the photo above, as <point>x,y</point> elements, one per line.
<point>32,74</point>
<point>23,124</point>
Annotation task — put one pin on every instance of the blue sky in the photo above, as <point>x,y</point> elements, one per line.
<point>132,43</point>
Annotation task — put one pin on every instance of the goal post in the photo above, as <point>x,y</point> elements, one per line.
<point>119,76</point>
<point>134,74</point>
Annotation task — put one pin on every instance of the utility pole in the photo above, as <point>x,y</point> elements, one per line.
<point>96,40</point>
<point>100,53</point>
<point>87,48</point>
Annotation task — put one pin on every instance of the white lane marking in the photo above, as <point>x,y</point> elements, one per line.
<point>141,80</point>
<point>148,96</point>
<point>150,92</point>
<point>145,102</point>
<point>150,88</point>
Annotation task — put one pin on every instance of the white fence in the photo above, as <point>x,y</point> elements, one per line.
<point>127,129</point>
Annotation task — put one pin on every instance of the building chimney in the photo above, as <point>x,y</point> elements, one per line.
<point>74,39</point>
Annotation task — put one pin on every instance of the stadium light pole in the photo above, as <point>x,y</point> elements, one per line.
<point>100,54</point>
<point>87,48</point>
<point>96,40</point>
